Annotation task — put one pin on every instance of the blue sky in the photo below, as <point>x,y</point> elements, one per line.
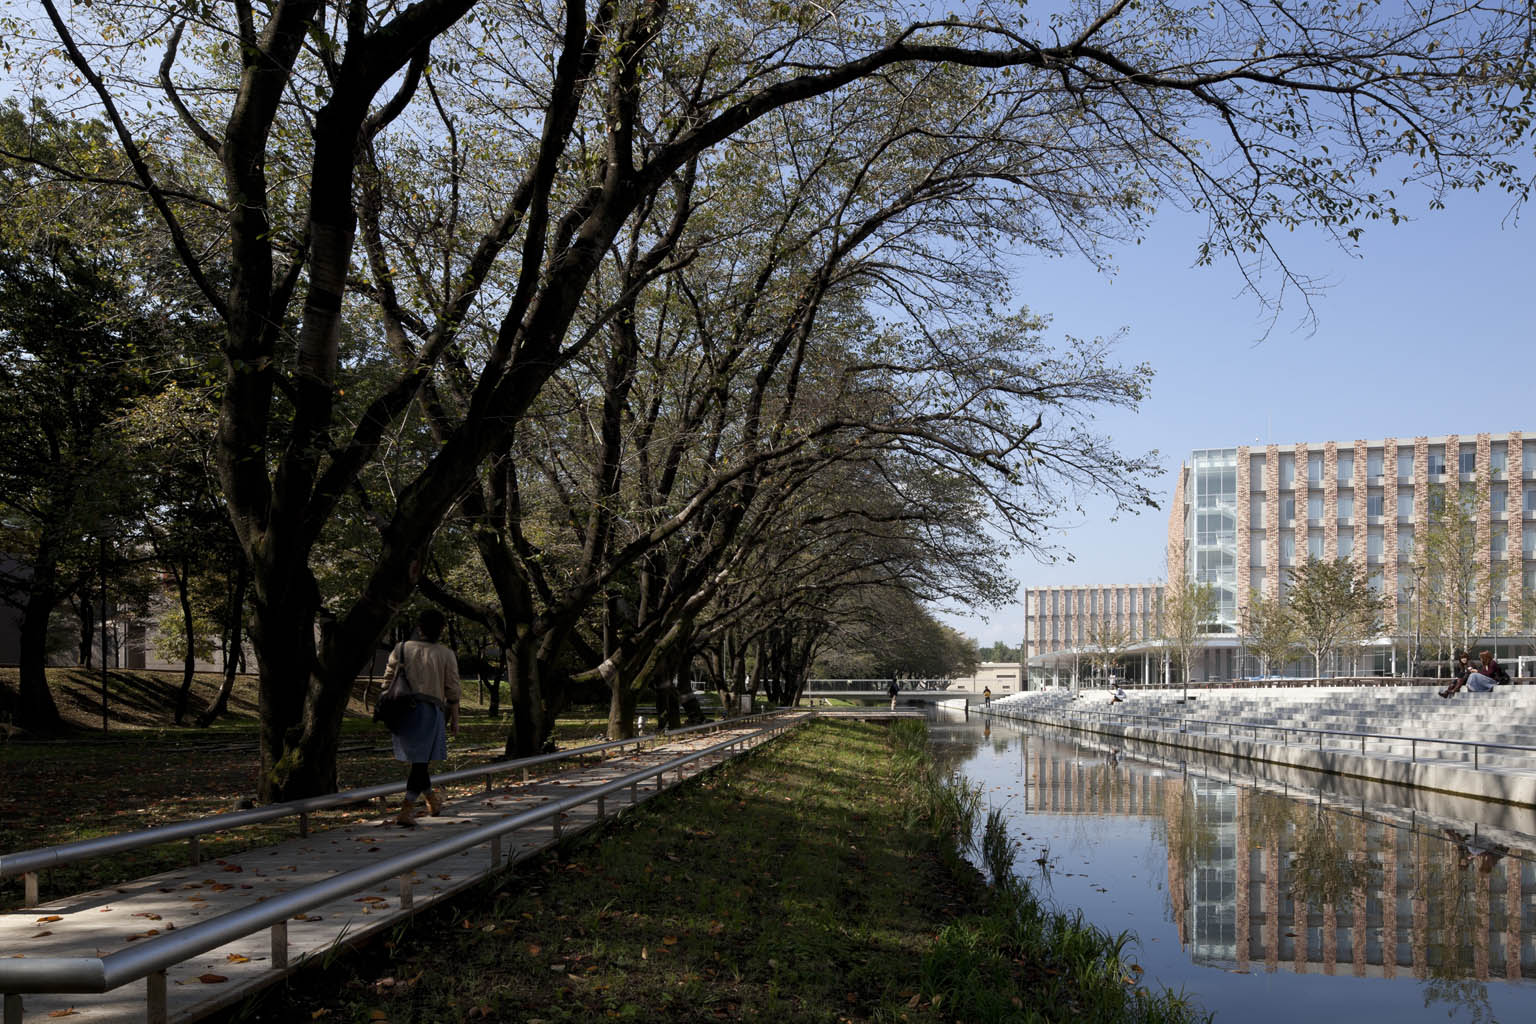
<point>1426,329</point>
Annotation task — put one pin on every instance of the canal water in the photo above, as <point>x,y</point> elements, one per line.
<point>1286,898</point>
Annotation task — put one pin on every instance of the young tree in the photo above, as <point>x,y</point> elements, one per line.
<point>1334,607</point>
<point>1459,579</point>
<point>1188,611</point>
<point>1107,644</point>
<point>1270,631</point>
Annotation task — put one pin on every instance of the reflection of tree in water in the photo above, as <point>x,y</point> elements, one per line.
<point>1324,865</point>
<point>1464,998</point>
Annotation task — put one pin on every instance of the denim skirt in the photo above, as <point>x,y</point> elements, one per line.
<point>423,736</point>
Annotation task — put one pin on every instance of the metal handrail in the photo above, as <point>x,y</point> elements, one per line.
<point>1413,741</point>
<point>31,861</point>
<point>101,974</point>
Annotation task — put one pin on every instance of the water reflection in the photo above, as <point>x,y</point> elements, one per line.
<point>1262,880</point>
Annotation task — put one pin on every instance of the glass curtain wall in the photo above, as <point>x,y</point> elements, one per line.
<point>1212,524</point>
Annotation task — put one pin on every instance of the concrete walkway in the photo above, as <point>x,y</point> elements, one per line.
<point>102,922</point>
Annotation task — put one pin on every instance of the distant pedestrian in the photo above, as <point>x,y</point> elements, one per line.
<point>433,671</point>
<point>893,690</point>
<point>1117,695</point>
<point>986,696</point>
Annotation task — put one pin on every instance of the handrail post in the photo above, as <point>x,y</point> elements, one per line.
<point>12,1008</point>
<point>1474,756</point>
<point>600,810</point>
<point>155,1009</point>
<point>407,892</point>
<point>1413,751</point>
<point>303,824</point>
<point>279,945</point>
<point>29,884</point>
<point>554,825</point>
<point>194,852</point>
<point>495,851</point>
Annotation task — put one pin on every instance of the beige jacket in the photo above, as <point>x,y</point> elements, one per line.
<point>431,669</point>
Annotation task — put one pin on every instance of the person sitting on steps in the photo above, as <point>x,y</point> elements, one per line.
<point>1480,679</point>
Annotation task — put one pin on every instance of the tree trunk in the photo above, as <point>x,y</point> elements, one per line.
<point>524,694</point>
<point>189,657</point>
<point>87,612</point>
<point>35,707</point>
<point>283,636</point>
<point>621,708</point>
<point>232,648</point>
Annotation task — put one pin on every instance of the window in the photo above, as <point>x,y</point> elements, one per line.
<point>1346,541</point>
<point>1467,461</point>
<point>1346,505</point>
<point>1256,581</point>
<point>1314,507</point>
<point>1405,464</point>
<point>1373,463</point>
<point>1256,550</point>
<point>1315,468</point>
<point>1256,472</point>
<point>1287,472</point>
<point>1498,456</point>
<point>1437,460</point>
<point>1404,503</point>
<point>1377,583</point>
<point>1315,544</point>
<point>1528,455</point>
<point>1093,602</point>
<point>1530,499</point>
<point>1436,502</point>
<point>1346,467</point>
<point>1287,511</point>
<point>1498,541</point>
<point>1528,541</point>
<point>1287,549</point>
<point>1498,499</point>
<point>1374,504</point>
<point>1405,543</point>
<point>1373,543</point>
<point>1256,514</point>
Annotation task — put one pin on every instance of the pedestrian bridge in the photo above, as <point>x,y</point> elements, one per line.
<point>927,690</point>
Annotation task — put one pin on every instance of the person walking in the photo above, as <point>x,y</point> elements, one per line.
<point>893,690</point>
<point>986,696</point>
<point>432,669</point>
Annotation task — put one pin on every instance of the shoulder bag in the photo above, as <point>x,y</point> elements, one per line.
<point>398,699</point>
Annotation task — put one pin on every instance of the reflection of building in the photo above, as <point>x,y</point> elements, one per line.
<point>1257,877</point>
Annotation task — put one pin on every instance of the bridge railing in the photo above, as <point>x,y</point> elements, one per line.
<point>29,863</point>
<point>821,686</point>
<point>151,959</point>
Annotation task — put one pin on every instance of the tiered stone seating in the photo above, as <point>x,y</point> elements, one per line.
<point>1507,715</point>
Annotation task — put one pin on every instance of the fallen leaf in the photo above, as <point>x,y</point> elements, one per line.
<point>236,958</point>
<point>212,979</point>
<point>670,940</point>
<point>49,919</point>
<point>145,913</point>
<point>63,1013</point>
